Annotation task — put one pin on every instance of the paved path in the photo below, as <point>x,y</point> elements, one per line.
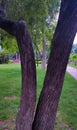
<point>72,71</point>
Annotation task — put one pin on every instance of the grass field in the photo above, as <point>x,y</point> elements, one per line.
<point>10,87</point>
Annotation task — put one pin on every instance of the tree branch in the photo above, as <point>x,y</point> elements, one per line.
<point>3,8</point>
<point>8,25</point>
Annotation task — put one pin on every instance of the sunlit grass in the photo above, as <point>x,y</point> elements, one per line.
<point>67,110</point>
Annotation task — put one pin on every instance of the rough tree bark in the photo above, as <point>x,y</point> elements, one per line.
<point>61,46</point>
<point>60,50</point>
<point>28,95</point>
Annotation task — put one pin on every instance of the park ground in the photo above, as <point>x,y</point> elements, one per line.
<point>10,87</point>
<point>72,71</point>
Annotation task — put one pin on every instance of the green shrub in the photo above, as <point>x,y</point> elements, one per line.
<point>4,57</point>
<point>73,59</point>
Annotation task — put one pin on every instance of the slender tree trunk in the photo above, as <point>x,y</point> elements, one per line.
<point>28,91</point>
<point>43,64</point>
<point>60,50</point>
<point>28,95</point>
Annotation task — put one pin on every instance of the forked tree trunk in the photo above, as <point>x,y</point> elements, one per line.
<point>60,50</point>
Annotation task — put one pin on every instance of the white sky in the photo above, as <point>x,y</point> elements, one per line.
<point>75,40</point>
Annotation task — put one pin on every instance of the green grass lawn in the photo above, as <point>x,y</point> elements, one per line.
<point>10,87</point>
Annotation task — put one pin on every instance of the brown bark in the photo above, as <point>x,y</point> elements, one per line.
<point>28,91</point>
<point>60,50</point>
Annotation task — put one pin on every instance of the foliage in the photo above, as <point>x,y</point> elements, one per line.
<point>4,57</point>
<point>8,42</point>
<point>4,52</point>
<point>35,13</point>
<point>73,59</point>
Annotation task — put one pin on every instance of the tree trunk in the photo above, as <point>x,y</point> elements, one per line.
<point>28,95</point>
<point>43,60</point>
<point>28,92</point>
<point>60,50</point>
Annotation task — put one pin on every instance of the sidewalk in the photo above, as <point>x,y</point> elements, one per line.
<point>72,71</point>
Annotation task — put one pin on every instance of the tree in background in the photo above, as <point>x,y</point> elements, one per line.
<point>43,117</point>
<point>35,14</point>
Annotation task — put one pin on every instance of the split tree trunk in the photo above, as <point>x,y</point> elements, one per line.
<point>60,50</point>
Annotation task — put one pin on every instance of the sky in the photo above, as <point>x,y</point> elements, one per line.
<point>75,40</point>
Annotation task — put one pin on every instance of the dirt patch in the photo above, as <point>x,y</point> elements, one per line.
<point>64,125</point>
<point>10,98</point>
<point>1,123</point>
<point>7,125</point>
